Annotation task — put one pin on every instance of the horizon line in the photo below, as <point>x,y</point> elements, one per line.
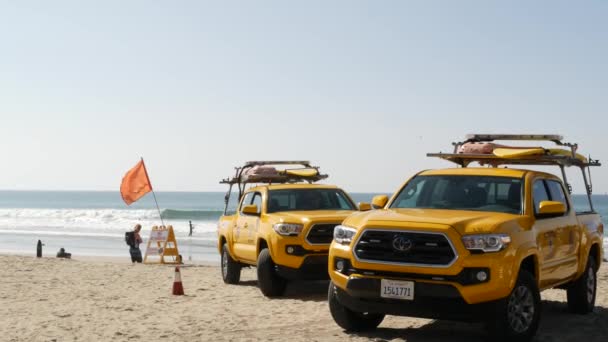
<point>207,191</point>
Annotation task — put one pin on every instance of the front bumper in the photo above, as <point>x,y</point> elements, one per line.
<point>501,267</point>
<point>435,301</point>
<point>313,267</point>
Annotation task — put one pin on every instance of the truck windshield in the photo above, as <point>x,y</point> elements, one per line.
<point>482,193</point>
<point>308,199</point>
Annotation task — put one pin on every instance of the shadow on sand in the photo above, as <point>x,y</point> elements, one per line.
<point>556,324</point>
<point>315,291</point>
<point>253,283</point>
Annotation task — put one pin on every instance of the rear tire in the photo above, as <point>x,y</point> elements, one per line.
<point>231,269</point>
<point>516,317</point>
<point>269,282</point>
<point>350,320</point>
<point>581,294</point>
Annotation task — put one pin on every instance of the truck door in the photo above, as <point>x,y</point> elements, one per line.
<point>252,223</point>
<point>568,231</point>
<point>239,233</point>
<point>247,226</point>
<point>549,238</point>
<point>546,230</point>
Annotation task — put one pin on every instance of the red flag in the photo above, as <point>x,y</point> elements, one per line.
<point>135,184</point>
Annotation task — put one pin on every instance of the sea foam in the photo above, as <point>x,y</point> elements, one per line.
<point>112,222</point>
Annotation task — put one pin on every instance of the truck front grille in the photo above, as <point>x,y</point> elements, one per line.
<point>405,247</point>
<point>321,233</point>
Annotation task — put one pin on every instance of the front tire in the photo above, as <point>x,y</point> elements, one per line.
<point>516,317</point>
<point>581,294</point>
<point>231,269</point>
<point>270,283</point>
<point>350,320</point>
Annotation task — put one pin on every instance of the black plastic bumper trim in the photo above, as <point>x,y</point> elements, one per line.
<point>466,277</point>
<point>301,251</point>
<point>434,301</point>
<point>314,267</point>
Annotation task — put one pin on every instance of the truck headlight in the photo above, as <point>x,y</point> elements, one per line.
<point>486,242</point>
<point>344,235</point>
<point>288,229</point>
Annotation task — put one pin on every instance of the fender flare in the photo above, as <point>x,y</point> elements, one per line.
<point>522,253</point>
<point>229,243</point>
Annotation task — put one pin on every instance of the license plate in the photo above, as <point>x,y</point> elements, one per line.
<point>397,289</point>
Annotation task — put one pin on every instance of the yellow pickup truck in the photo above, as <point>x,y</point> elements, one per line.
<point>471,243</point>
<point>283,224</point>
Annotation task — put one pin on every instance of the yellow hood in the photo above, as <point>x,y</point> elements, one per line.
<point>307,216</point>
<point>464,221</point>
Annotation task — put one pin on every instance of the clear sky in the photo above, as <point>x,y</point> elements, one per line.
<point>362,88</point>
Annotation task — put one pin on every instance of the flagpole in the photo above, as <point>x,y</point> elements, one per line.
<point>157,208</point>
<point>153,194</point>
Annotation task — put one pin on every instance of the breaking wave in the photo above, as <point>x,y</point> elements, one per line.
<point>70,221</point>
<point>212,215</point>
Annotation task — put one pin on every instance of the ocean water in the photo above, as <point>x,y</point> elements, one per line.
<point>93,223</point>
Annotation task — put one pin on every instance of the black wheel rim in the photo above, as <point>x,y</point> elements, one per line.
<point>520,310</point>
<point>590,285</point>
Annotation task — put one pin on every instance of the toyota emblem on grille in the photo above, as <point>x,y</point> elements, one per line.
<point>401,243</point>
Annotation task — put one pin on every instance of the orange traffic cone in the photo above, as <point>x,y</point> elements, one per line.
<point>178,288</point>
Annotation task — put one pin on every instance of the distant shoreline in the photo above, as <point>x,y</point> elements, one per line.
<point>216,192</point>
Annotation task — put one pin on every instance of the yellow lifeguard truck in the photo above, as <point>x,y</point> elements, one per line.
<point>283,223</point>
<point>471,243</point>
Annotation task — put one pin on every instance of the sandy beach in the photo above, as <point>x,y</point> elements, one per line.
<point>92,299</point>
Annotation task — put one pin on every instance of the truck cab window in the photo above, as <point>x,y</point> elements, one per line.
<point>308,199</point>
<point>461,193</point>
<point>557,192</point>
<point>257,200</point>
<point>412,194</point>
<point>539,193</point>
<point>246,200</point>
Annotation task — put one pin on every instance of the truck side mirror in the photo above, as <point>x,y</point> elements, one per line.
<point>364,206</point>
<point>551,208</point>
<point>251,209</point>
<point>378,202</point>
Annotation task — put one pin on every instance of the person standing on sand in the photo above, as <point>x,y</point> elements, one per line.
<point>135,242</point>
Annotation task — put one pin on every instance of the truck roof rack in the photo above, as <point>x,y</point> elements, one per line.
<point>487,159</point>
<point>541,156</point>
<point>281,176</point>
<point>302,171</point>
<point>537,137</point>
<point>567,159</point>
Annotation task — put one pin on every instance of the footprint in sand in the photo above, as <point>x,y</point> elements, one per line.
<point>63,315</point>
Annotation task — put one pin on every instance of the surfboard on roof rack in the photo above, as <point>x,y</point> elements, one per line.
<point>266,172</point>
<point>481,148</point>
<point>272,172</point>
